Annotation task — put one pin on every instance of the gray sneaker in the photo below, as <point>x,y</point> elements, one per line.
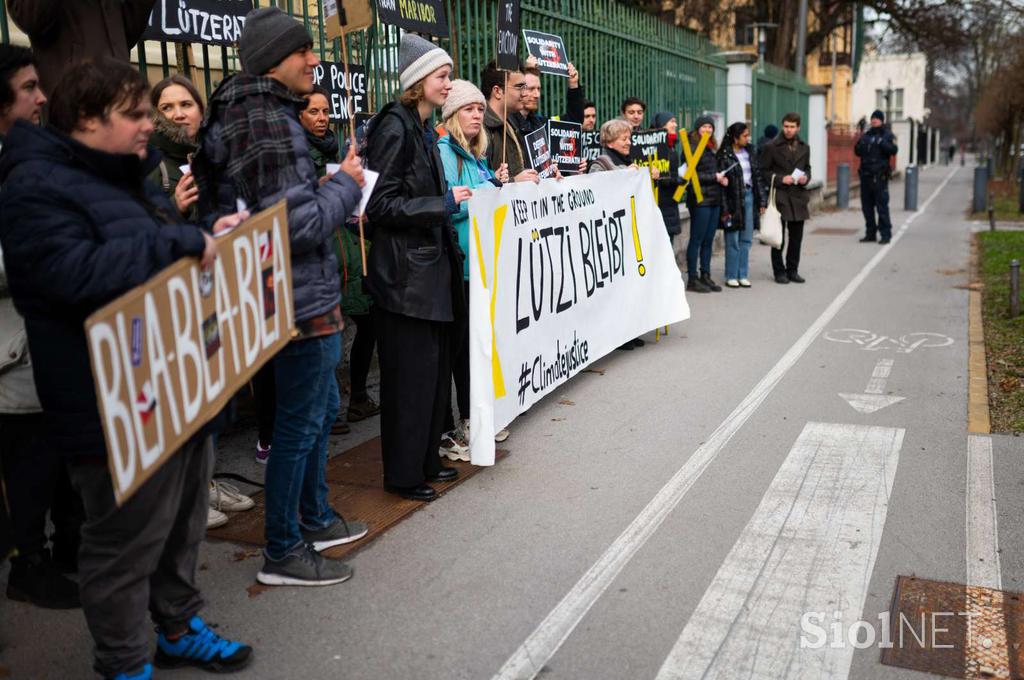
<point>303,567</point>
<point>341,532</point>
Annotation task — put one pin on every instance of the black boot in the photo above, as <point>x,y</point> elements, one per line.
<point>35,578</point>
<point>695,285</point>
<point>705,278</point>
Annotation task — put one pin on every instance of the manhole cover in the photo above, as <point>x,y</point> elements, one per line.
<point>835,231</point>
<point>955,630</point>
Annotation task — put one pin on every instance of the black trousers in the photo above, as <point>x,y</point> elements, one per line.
<point>37,482</point>
<point>265,394</point>
<point>793,237</point>
<point>361,355</point>
<point>415,389</point>
<point>874,197</point>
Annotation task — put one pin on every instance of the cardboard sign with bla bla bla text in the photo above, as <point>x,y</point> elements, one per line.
<point>168,355</point>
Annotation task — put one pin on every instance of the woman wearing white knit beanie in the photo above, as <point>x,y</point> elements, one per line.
<point>414,272</point>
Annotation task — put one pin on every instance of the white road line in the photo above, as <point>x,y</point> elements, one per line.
<point>809,549</point>
<point>531,656</point>
<point>983,568</point>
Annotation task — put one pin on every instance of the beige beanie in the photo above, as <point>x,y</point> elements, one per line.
<point>463,92</point>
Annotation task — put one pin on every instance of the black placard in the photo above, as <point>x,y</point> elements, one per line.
<point>549,51</point>
<point>591,145</point>
<point>416,16</point>
<point>331,76</point>
<point>566,145</point>
<point>508,35</point>
<point>210,22</point>
<point>650,147</point>
<point>539,149</point>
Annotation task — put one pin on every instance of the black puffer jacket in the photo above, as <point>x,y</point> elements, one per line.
<point>79,228</point>
<point>875,147</point>
<point>415,264</point>
<point>733,194</point>
<point>707,169</point>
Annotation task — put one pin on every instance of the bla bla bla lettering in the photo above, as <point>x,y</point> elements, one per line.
<point>184,377</point>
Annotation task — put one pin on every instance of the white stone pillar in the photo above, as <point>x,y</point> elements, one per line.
<point>739,96</point>
<point>817,133</point>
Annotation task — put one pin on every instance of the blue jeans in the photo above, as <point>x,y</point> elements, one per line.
<point>737,243</point>
<point>703,224</point>
<point>307,405</point>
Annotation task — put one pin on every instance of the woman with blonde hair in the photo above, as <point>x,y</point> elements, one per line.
<point>463,151</point>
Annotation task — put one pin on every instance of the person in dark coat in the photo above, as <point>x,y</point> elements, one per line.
<point>668,182</point>
<point>786,162</point>
<point>414,272</point>
<point>263,103</point>
<point>770,133</point>
<point>874,148</point>
<point>744,198</point>
<point>178,113</point>
<point>530,119</point>
<point>704,214</point>
<point>80,227</point>
<point>64,33</point>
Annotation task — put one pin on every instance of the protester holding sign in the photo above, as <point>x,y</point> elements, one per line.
<point>255,150</point>
<point>745,191</point>
<point>178,114</point>
<point>464,156</point>
<point>65,33</point>
<point>668,181</point>
<point>704,214</point>
<point>504,92</point>
<point>589,115</point>
<point>530,120</point>
<point>414,266</point>
<point>80,227</point>
<point>34,480</point>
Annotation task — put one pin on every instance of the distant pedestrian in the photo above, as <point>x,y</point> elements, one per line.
<point>744,198</point>
<point>786,162</point>
<point>770,133</point>
<point>875,148</point>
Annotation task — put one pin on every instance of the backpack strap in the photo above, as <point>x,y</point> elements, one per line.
<point>165,179</point>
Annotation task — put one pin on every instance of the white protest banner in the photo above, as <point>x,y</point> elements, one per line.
<point>560,274</point>
<point>168,355</point>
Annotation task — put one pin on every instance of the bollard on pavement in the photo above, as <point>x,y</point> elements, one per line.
<point>991,213</point>
<point>910,188</point>
<point>1014,289</point>
<point>980,189</point>
<point>1020,197</point>
<point>843,186</point>
<point>990,165</point>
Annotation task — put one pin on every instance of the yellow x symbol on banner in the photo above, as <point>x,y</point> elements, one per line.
<point>691,166</point>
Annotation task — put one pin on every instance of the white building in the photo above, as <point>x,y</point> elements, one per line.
<point>902,77</point>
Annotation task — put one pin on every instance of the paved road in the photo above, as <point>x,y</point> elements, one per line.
<point>676,521</point>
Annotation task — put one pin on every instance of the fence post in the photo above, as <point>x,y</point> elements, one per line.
<point>1014,289</point>
<point>1020,184</point>
<point>980,188</point>
<point>910,188</point>
<point>843,186</point>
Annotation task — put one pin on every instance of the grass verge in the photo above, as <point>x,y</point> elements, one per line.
<point>1004,336</point>
<point>1005,199</point>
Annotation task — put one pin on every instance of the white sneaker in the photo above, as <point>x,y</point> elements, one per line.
<point>215,518</point>
<point>501,436</point>
<point>454,445</point>
<point>744,283</point>
<point>732,283</point>
<point>226,497</point>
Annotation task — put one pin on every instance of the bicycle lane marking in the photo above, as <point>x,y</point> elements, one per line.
<point>538,648</point>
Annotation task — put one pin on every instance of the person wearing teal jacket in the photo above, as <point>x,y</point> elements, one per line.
<point>463,149</point>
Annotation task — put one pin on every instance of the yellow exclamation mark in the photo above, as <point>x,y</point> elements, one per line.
<point>636,239</point>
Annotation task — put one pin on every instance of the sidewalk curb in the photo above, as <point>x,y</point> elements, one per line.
<point>977,368</point>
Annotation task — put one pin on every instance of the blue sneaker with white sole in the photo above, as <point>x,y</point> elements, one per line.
<point>145,674</point>
<point>202,648</point>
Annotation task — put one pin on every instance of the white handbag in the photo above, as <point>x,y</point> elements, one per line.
<point>771,222</point>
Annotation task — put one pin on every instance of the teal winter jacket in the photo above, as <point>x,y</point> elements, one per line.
<point>462,170</point>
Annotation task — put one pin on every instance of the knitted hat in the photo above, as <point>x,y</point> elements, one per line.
<point>417,59</point>
<point>703,120</point>
<point>661,119</point>
<point>463,92</point>
<point>879,115</point>
<point>771,132</point>
<point>268,37</point>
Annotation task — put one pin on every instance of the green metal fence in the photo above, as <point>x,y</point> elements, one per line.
<point>776,93</point>
<point>619,51</point>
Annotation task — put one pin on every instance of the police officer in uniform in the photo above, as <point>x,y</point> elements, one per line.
<point>875,147</point>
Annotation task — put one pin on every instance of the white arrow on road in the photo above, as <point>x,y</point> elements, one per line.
<point>874,397</point>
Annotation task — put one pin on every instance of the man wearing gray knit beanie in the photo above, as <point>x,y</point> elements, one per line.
<point>254,149</point>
